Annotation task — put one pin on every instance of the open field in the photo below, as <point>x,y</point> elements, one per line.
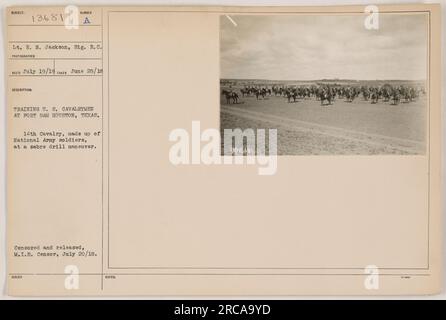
<point>359,127</point>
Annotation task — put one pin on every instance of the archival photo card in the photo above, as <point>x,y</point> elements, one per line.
<point>130,131</point>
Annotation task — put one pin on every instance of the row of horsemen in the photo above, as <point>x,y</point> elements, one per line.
<point>327,94</point>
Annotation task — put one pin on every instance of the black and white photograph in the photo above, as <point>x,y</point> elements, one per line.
<point>328,83</point>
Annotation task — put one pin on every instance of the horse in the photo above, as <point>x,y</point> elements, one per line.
<point>374,97</point>
<point>227,95</point>
<point>230,96</point>
<point>326,95</point>
<point>350,94</point>
<point>288,95</point>
<point>395,97</point>
<point>366,94</point>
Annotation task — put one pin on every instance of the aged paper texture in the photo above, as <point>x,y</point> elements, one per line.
<point>224,150</point>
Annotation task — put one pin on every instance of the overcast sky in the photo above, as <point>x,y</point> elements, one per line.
<point>304,47</point>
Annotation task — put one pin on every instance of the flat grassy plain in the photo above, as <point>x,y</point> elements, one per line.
<point>305,127</point>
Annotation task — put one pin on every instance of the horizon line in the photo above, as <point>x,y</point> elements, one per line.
<point>324,79</point>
